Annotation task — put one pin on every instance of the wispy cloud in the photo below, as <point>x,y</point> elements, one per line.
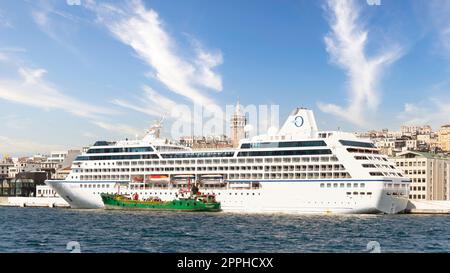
<point>88,134</point>
<point>205,62</point>
<point>117,128</point>
<point>434,111</point>
<point>31,89</point>
<point>7,54</point>
<point>153,104</point>
<point>60,26</point>
<point>150,103</point>
<point>15,121</point>
<point>28,86</point>
<point>143,30</point>
<point>12,49</point>
<point>346,44</point>
<point>4,22</point>
<point>439,15</point>
<point>15,146</point>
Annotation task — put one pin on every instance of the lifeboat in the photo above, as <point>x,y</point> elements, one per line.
<point>158,177</point>
<point>138,179</point>
<point>185,176</point>
<point>212,179</point>
<point>183,179</point>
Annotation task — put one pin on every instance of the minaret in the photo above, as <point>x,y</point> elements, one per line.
<point>238,122</point>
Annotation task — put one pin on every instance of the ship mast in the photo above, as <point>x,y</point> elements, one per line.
<point>154,132</point>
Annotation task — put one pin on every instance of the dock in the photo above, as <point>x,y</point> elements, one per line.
<point>414,206</point>
<point>39,202</point>
<point>428,207</point>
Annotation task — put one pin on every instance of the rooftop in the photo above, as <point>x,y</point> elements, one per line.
<point>426,155</point>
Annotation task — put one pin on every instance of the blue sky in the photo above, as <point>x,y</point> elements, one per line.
<point>75,71</point>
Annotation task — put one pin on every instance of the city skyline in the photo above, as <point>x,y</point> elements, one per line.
<point>76,71</point>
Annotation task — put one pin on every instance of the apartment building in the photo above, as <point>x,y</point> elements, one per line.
<point>429,173</point>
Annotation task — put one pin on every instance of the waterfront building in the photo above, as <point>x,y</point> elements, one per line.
<point>24,184</point>
<point>50,168</point>
<point>16,187</point>
<point>5,165</point>
<point>25,164</point>
<point>387,146</point>
<point>62,173</point>
<point>209,142</point>
<point>424,138</point>
<point>411,144</point>
<point>238,122</point>
<point>65,166</point>
<point>413,130</point>
<point>374,134</point>
<point>70,157</point>
<point>393,146</point>
<point>58,160</point>
<point>57,156</point>
<point>45,191</point>
<point>409,138</point>
<point>429,173</point>
<point>37,158</point>
<point>444,138</point>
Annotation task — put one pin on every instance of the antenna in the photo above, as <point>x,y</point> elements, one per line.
<point>155,130</point>
<point>163,117</point>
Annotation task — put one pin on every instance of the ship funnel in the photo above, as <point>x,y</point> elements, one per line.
<point>301,123</point>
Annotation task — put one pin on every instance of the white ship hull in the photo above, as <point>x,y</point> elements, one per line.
<point>293,196</point>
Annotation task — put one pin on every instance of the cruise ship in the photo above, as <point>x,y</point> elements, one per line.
<point>299,169</point>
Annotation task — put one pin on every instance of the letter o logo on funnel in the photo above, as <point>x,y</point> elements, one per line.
<point>299,121</point>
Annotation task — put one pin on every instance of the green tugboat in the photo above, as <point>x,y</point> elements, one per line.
<point>195,202</point>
